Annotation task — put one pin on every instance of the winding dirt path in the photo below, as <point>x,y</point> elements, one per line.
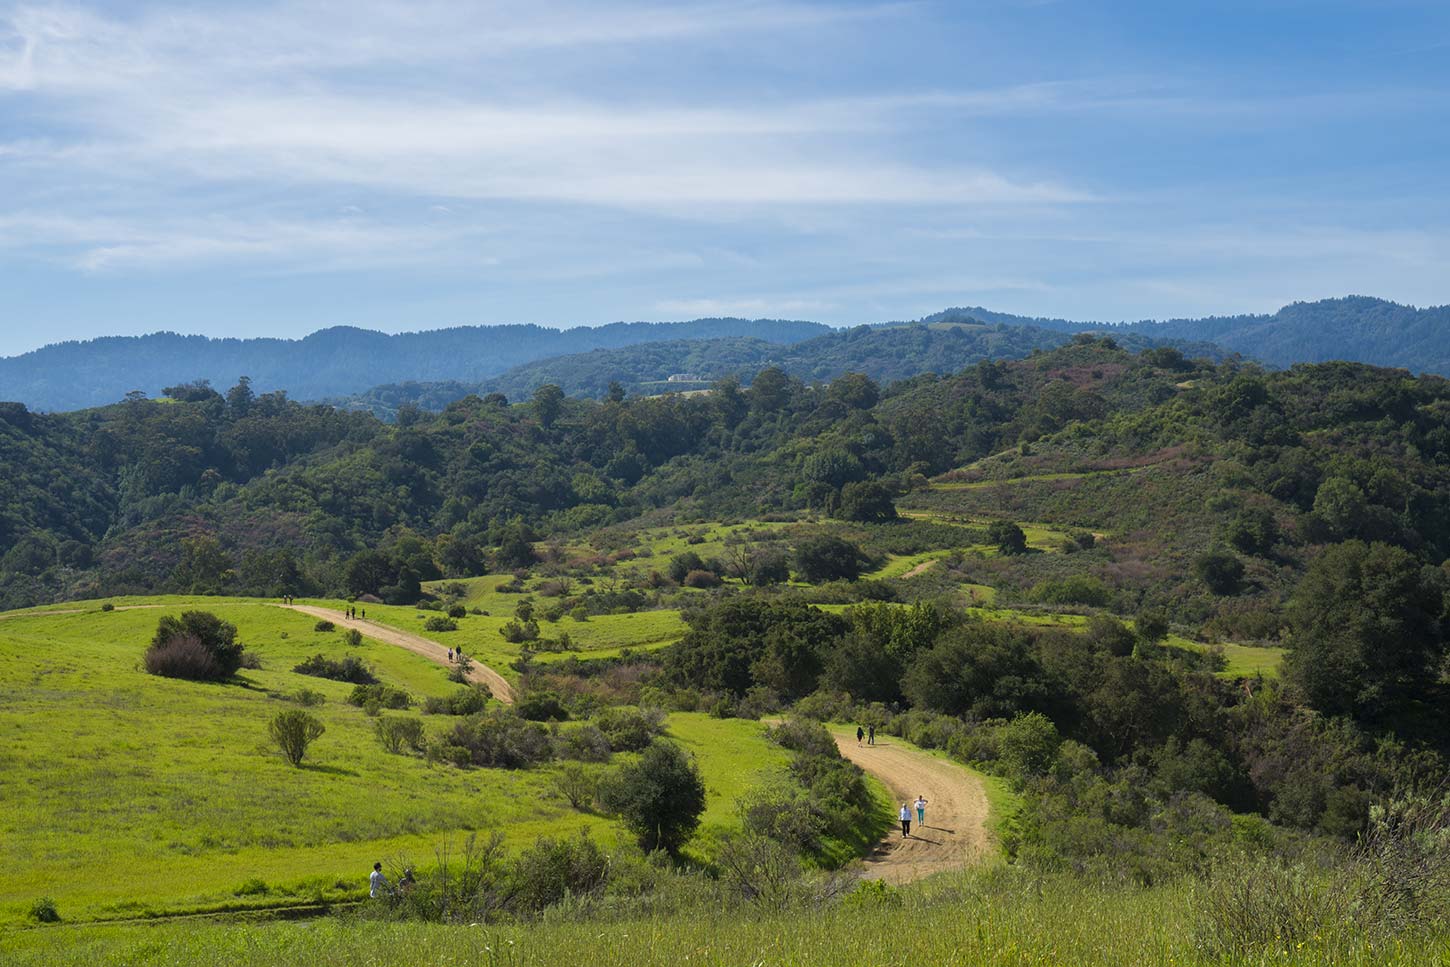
<point>955,833</point>
<point>417,644</point>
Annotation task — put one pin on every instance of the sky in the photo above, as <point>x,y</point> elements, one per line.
<point>258,168</point>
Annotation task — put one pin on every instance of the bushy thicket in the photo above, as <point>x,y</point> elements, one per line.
<point>347,669</point>
<point>196,645</point>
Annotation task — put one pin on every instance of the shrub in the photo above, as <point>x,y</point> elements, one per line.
<point>457,611</point>
<point>307,698</point>
<point>324,625</point>
<point>808,738</point>
<point>174,648</point>
<point>293,731</point>
<point>108,606</point>
<point>1250,906</point>
<point>352,638</point>
<point>379,695</point>
<point>585,743</point>
<point>394,732</point>
<point>1027,746</point>
<point>349,669</point>
<point>518,632</point>
<point>1111,635</point>
<point>1220,570</point>
<point>1007,537</point>
<point>542,707</point>
<point>702,579</point>
<point>683,564</point>
<point>551,869</point>
<point>660,798</point>
<point>502,739</point>
<point>183,656</point>
<point>440,623</point>
<point>630,729</point>
<point>1151,624</point>
<point>43,911</point>
<point>1075,589</point>
<point>828,559</point>
<point>577,785</point>
<point>464,701</point>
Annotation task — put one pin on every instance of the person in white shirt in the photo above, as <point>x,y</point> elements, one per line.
<point>377,883</point>
<point>920,805</point>
<point>905,821</point>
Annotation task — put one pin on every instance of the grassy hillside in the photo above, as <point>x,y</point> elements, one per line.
<point>128,794</point>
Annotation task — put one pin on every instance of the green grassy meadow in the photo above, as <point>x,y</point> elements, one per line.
<point>127,794</point>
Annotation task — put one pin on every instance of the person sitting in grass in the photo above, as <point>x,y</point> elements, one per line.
<point>378,883</point>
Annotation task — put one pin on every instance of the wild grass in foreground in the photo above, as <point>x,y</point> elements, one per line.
<point>1002,916</point>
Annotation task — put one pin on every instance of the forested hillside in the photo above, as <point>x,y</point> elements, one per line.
<point>1357,328</point>
<point>330,362</point>
<point>885,354</point>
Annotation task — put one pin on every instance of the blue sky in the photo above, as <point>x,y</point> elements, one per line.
<point>271,169</point>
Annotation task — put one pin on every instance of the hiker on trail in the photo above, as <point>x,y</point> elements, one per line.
<point>905,815</point>
<point>920,805</point>
<point>365,614</point>
<point>378,884</point>
<point>860,734</point>
<point>871,736</point>
<point>450,654</point>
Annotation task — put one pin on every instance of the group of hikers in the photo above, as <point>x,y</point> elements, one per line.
<point>379,887</point>
<point>905,816</point>
<point>352,612</point>
<point>288,600</point>
<point>867,733</point>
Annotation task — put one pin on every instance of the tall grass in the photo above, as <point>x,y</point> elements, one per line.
<point>1003,916</point>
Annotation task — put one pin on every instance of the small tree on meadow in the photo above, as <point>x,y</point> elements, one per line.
<point>293,731</point>
<point>660,798</point>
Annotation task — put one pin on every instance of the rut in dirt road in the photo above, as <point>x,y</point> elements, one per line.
<point>479,673</point>
<point>955,833</point>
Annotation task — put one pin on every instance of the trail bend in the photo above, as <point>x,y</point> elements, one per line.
<point>955,833</point>
<point>432,650</point>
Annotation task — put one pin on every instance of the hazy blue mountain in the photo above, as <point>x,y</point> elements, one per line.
<point>330,362</point>
<point>1356,328</point>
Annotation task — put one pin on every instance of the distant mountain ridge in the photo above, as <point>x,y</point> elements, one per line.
<point>330,362</point>
<point>1356,328</point>
<point>884,353</point>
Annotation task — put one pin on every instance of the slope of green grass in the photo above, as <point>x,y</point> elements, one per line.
<point>126,794</point>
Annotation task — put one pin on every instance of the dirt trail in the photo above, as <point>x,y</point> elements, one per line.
<point>921,568</point>
<point>955,833</point>
<point>417,644</point>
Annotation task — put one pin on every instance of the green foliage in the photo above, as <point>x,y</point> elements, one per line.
<point>293,731</point>
<point>1220,570</point>
<point>739,643</point>
<point>379,696</point>
<point>397,732</point>
<point>499,739</point>
<point>348,669</point>
<point>827,558</point>
<point>1007,537</point>
<point>660,798</point>
<point>629,729</point>
<point>196,645</point>
<point>1364,629</point>
<point>440,623</point>
<point>866,501</point>
<point>541,706</point>
<point>463,701</point>
<point>44,910</point>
